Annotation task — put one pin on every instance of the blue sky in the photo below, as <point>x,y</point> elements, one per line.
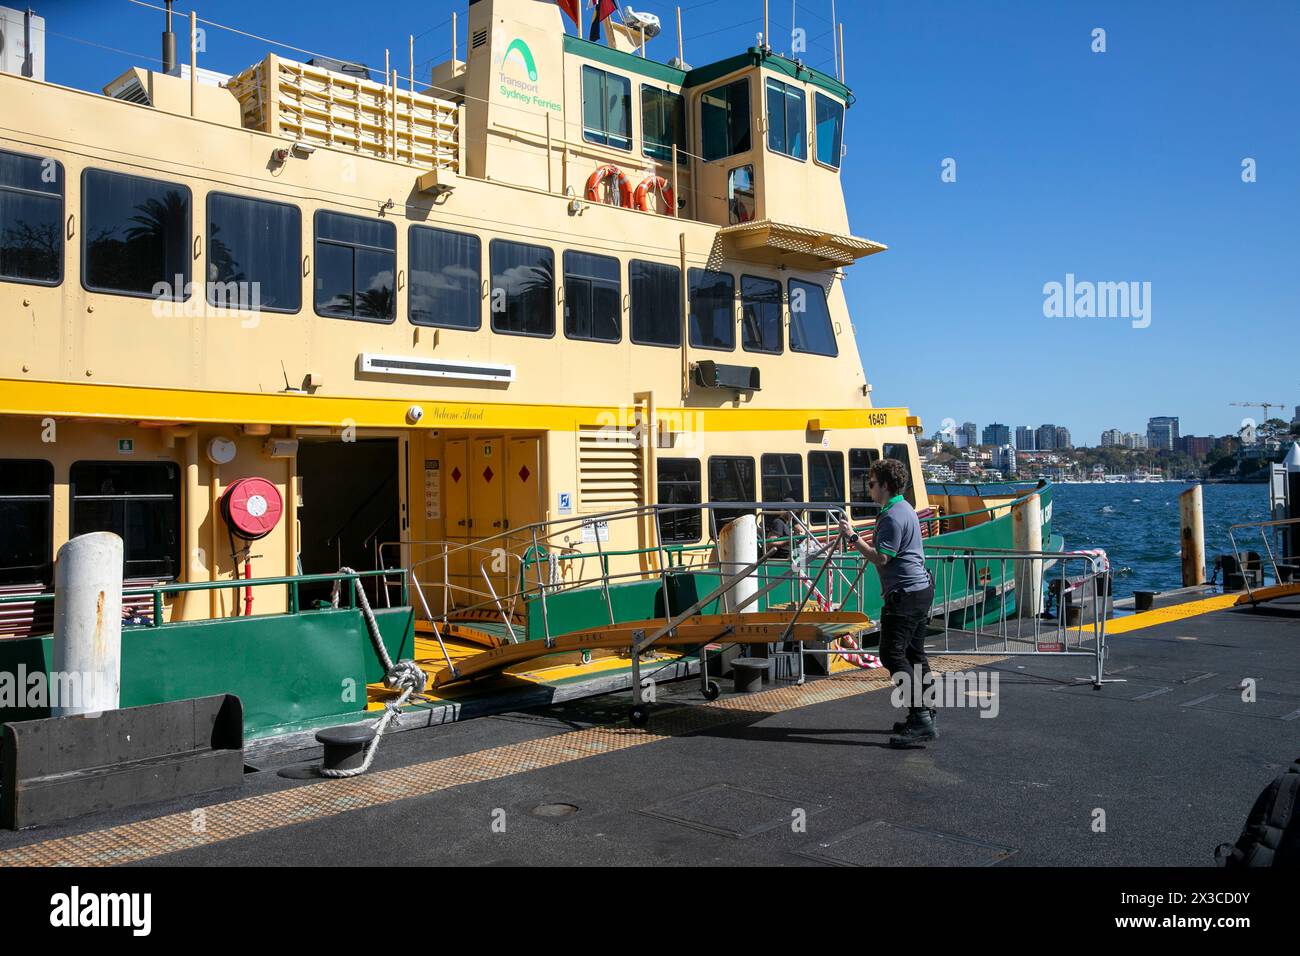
<point>1115,166</point>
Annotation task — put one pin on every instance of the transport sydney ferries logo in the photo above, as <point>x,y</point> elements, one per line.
<point>518,76</point>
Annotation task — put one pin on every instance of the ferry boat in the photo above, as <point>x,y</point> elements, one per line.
<point>513,346</point>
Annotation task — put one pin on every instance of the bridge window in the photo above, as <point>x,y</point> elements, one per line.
<point>139,502</point>
<point>810,320</point>
<point>679,484</point>
<point>606,108</point>
<point>31,219</point>
<point>787,112</point>
<point>713,309</point>
<point>135,235</point>
<point>829,129</point>
<point>254,254</point>
<point>523,288</point>
<point>760,314</point>
<point>860,462</point>
<point>356,267</point>
<point>731,478</point>
<point>825,481</point>
<point>656,303</point>
<point>898,452</point>
<point>724,119</point>
<point>663,124</point>
<point>742,197</point>
<point>593,297</point>
<point>446,272</point>
<point>27,516</point>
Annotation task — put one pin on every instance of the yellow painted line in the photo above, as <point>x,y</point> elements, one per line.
<point>159,836</point>
<point>1163,615</point>
<point>1268,593</point>
<point>82,400</point>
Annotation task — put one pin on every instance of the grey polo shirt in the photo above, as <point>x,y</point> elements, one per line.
<point>898,534</point>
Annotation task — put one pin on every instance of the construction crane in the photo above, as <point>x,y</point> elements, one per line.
<point>1264,405</point>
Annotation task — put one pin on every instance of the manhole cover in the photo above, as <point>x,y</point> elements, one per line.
<point>554,810</point>
<point>886,844</point>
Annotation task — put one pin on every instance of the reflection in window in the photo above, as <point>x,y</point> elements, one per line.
<point>679,484</point>
<point>523,288</point>
<point>356,264</point>
<point>713,309</point>
<point>810,320</point>
<point>760,314</point>
<point>139,502</point>
<point>830,129</point>
<point>663,124</point>
<point>742,201</point>
<point>786,112</point>
<point>898,452</point>
<point>825,481</point>
<point>27,517</point>
<point>135,235</point>
<point>593,297</point>
<point>254,254</point>
<point>446,270</point>
<point>31,219</point>
<point>860,462</point>
<point>730,479</point>
<point>606,108</point>
<point>724,119</point>
<point>782,478</point>
<point>656,303</point>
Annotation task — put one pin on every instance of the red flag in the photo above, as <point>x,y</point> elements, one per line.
<point>571,8</point>
<point>603,10</point>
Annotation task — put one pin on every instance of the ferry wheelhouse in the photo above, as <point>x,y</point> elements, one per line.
<point>515,345</point>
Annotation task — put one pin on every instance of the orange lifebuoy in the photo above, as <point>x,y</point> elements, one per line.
<point>643,198</point>
<point>619,178</point>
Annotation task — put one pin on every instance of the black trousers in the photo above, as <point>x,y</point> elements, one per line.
<point>902,639</point>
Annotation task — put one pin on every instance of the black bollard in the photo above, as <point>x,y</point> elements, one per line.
<point>345,747</point>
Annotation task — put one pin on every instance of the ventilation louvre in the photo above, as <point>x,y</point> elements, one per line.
<point>610,472</point>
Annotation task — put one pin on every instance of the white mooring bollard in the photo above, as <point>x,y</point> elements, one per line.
<point>1027,535</point>
<point>737,549</point>
<point>1192,534</point>
<point>86,670</point>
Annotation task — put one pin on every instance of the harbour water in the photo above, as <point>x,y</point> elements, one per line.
<point>1137,525</point>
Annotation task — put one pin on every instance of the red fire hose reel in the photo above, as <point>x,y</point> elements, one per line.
<point>252,508</point>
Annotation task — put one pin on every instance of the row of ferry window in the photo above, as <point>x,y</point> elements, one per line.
<point>724,119</point>
<point>136,241</point>
<point>781,479</point>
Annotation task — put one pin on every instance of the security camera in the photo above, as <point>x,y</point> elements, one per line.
<point>414,414</point>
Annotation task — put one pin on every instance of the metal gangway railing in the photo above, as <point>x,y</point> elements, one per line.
<point>1281,536</point>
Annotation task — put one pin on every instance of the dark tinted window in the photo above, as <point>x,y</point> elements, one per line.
<point>135,235</point>
<point>830,129</point>
<point>786,119</point>
<point>663,124</point>
<point>31,219</point>
<point>730,479</point>
<point>898,452</point>
<point>523,288</point>
<point>656,303</point>
<point>593,297</point>
<point>810,320</point>
<point>606,108</point>
<point>679,484</point>
<point>446,273</point>
<point>724,120</point>
<point>825,480</point>
<point>713,309</point>
<point>356,267</point>
<point>782,477</point>
<point>26,521</point>
<point>254,254</point>
<point>860,462</point>
<point>140,502</point>
<point>760,314</point>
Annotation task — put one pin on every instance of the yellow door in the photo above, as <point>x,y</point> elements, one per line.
<point>455,470</point>
<point>523,496</point>
<point>487,509</point>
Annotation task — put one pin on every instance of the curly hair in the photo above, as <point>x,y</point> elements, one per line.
<point>890,473</point>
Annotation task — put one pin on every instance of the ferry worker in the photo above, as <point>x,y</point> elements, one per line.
<point>908,592</point>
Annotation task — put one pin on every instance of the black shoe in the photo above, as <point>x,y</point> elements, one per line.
<point>901,725</point>
<point>918,729</point>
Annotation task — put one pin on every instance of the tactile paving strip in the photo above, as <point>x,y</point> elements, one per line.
<point>158,836</point>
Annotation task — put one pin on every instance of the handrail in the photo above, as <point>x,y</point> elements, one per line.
<point>1276,525</point>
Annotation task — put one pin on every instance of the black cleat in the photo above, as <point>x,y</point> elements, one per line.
<point>901,725</point>
<point>917,730</point>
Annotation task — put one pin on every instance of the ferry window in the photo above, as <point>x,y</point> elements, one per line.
<point>825,481</point>
<point>663,124</point>
<point>787,112</point>
<point>31,219</point>
<point>724,119</point>
<point>860,462</point>
<point>138,501</point>
<point>593,297</point>
<point>446,271</point>
<point>810,320</point>
<point>760,314</point>
<point>135,235</point>
<point>713,309</point>
<point>898,452</point>
<point>829,127</point>
<point>606,108</point>
<point>356,267</point>
<point>679,484</point>
<point>27,516</point>
<point>656,303</point>
<point>782,477</point>
<point>254,254</point>
<point>742,199</point>
<point>523,288</point>
<point>730,479</point>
